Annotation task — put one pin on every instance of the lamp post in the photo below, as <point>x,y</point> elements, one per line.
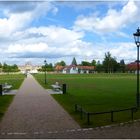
<point>137,41</point>
<point>45,62</point>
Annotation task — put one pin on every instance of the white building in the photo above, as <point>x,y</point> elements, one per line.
<point>29,68</point>
<point>73,69</point>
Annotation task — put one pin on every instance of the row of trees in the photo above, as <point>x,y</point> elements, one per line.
<point>8,68</point>
<point>48,67</point>
<point>109,64</point>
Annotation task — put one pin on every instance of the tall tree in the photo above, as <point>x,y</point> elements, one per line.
<point>109,63</point>
<point>74,62</point>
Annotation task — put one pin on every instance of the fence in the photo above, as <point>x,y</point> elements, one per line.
<point>78,108</point>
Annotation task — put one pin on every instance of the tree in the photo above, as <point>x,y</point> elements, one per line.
<point>109,63</point>
<point>5,67</point>
<point>99,67</point>
<point>10,68</point>
<point>93,62</point>
<point>74,62</point>
<point>85,63</point>
<point>47,67</point>
<point>122,66</point>
<point>61,63</point>
<point>50,67</point>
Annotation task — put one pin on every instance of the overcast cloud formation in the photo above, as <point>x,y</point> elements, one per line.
<point>55,31</point>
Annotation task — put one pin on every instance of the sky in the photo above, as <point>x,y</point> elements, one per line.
<point>34,31</point>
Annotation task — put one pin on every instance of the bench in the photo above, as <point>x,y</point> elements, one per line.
<point>6,87</point>
<point>56,87</point>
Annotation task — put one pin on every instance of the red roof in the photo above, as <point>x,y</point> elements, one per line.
<point>59,68</point>
<point>80,67</point>
<point>132,66</point>
<point>86,67</point>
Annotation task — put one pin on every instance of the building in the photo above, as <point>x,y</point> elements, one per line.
<point>29,68</point>
<point>132,67</point>
<point>73,69</point>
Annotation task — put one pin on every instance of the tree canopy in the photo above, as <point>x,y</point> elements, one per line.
<point>9,68</point>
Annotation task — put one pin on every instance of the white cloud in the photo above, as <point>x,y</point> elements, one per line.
<point>51,42</point>
<point>56,42</point>
<point>16,21</point>
<point>55,34</point>
<point>112,21</point>
<point>21,48</point>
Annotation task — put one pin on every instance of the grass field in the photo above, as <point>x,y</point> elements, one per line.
<point>15,80</point>
<point>95,93</point>
<point>4,103</point>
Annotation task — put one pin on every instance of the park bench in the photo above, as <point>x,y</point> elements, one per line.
<point>6,87</point>
<point>56,87</point>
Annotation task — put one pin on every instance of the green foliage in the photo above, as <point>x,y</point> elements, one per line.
<point>47,67</point>
<point>93,62</point>
<point>110,65</point>
<point>61,63</point>
<point>4,103</point>
<point>99,67</point>
<point>9,68</point>
<point>85,63</point>
<point>95,93</point>
<point>122,66</point>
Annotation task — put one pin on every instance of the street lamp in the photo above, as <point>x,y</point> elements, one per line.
<point>45,62</point>
<point>137,41</point>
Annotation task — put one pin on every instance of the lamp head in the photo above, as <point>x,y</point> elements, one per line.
<point>137,37</point>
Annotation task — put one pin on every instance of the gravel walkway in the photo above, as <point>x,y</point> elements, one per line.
<point>34,111</point>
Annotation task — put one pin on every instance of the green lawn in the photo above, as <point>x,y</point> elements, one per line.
<point>95,93</point>
<point>4,103</point>
<point>15,80</point>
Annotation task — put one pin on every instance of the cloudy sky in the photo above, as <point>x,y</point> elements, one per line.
<point>58,30</point>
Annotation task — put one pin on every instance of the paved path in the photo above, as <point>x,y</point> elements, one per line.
<point>34,111</point>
